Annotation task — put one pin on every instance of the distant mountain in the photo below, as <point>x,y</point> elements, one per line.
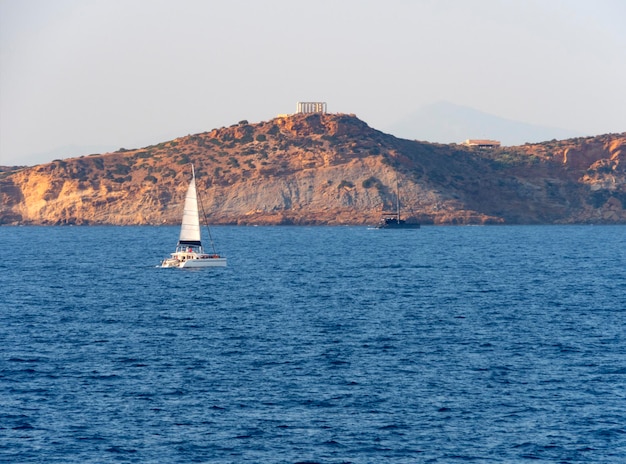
<point>67,151</point>
<point>325,169</point>
<point>445,122</point>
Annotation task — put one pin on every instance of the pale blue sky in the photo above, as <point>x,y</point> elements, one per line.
<point>83,76</point>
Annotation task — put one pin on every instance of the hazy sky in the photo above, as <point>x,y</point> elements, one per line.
<point>84,76</point>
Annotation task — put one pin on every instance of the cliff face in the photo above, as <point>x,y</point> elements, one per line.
<point>325,169</point>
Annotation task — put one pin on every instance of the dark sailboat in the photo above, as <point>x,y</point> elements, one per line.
<point>393,220</point>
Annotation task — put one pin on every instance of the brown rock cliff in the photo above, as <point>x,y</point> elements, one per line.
<point>325,169</point>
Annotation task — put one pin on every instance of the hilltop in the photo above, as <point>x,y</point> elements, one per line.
<point>325,169</point>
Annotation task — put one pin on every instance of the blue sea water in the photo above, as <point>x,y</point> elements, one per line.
<point>315,344</point>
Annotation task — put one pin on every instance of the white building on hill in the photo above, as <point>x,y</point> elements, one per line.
<point>311,107</point>
<point>482,143</point>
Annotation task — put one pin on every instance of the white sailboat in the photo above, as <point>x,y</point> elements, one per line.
<point>189,252</point>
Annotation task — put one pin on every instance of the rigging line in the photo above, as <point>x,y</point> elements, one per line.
<point>206,224</point>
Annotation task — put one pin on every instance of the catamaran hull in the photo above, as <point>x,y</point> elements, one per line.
<point>195,263</point>
<point>199,263</point>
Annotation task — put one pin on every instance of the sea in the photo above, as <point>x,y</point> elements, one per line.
<point>315,345</point>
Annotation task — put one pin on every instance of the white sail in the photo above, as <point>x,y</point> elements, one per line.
<point>190,227</point>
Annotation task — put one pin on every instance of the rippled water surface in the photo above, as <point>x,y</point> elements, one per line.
<point>316,344</point>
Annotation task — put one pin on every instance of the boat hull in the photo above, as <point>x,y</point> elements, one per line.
<point>399,226</point>
<point>201,263</point>
<point>193,262</point>
<point>396,223</point>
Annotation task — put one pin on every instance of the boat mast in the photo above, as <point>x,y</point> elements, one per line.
<point>397,200</point>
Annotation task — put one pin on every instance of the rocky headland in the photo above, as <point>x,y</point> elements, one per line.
<point>325,169</point>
